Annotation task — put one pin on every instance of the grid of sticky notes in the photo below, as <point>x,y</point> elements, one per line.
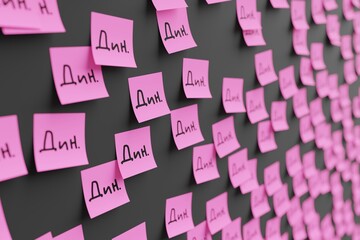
<point>59,140</point>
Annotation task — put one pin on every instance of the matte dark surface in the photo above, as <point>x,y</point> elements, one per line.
<point>53,201</point>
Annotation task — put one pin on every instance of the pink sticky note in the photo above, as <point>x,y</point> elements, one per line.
<point>335,110</point>
<point>4,230</point>
<point>201,231</point>
<point>316,56</point>
<point>259,202</point>
<point>224,136</point>
<point>74,233</point>
<point>316,111</point>
<point>314,185</point>
<point>252,230</point>
<point>299,184</point>
<point>255,105</point>
<point>294,213</point>
<point>112,40</point>
<point>217,213</point>
<point>134,152</point>
<point>318,12</point>
<point>252,183</point>
<point>279,3</point>
<point>306,72</point>
<point>272,230</point>
<point>232,231</point>
<point>299,231</point>
<point>323,135</point>
<point>161,5</point>
<point>266,137</point>
<point>309,164</point>
<point>322,86</point>
<point>308,207</point>
<point>281,201</point>
<point>48,14</point>
<point>246,12</point>
<point>59,141</point>
<point>137,232</point>
<point>175,30</point>
<point>348,9</point>
<point>287,82</point>
<point>299,40</point>
<point>195,78</point>
<point>293,160</point>
<point>298,15</point>
<point>346,47</point>
<point>344,95</point>
<point>356,42</point>
<point>103,188</point>
<point>330,5</point>
<point>254,37</point>
<point>357,62</point>
<point>272,179</point>
<point>264,67</point>
<point>148,97</point>
<point>325,183</point>
<point>178,215</point>
<point>12,163</point>
<point>76,76</point>
<point>278,116</point>
<point>232,95</point>
<point>333,86</point>
<point>300,104</point>
<point>46,236</point>
<point>306,129</point>
<point>349,71</point>
<point>204,163</point>
<point>238,168</point>
<point>185,126</point>
<point>333,29</point>
<point>216,1</point>
<point>19,14</point>
<point>356,106</point>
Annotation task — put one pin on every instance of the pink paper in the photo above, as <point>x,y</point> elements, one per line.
<point>300,104</point>
<point>224,136</point>
<point>287,82</point>
<point>299,232</point>
<point>279,3</point>
<point>4,230</point>
<point>293,160</point>
<point>272,178</point>
<point>306,72</point>
<point>232,231</point>
<point>204,163</point>
<point>76,77</point>
<point>22,14</point>
<point>316,56</point>
<point>74,233</point>
<point>238,168</point>
<point>46,236</point>
<point>356,106</point>
<point>175,30</point>
<point>318,12</point>
<point>254,37</point>
<point>322,85</point>
<point>216,1</point>
<point>330,5</point>
<point>178,215</point>
<point>195,76</point>
<point>161,5</point>
<point>357,62</point>
<point>134,152</point>
<point>298,15</point>
<point>259,202</point>
<point>252,183</point>
<point>294,213</point>
<point>314,186</point>
<point>185,126</point>
<point>252,230</point>
<point>266,137</point>
<point>308,207</point>
<point>148,97</point>
<point>344,95</point>
<point>323,135</point>
<point>112,40</point>
<point>335,110</point>
<point>333,86</point>
<point>201,231</point>
<point>138,232</point>
<point>278,116</point>
<point>325,183</point>
<point>346,47</point>
<point>59,141</point>
<point>247,15</point>
<point>309,164</point>
<point>306,129</point>
<point>272,230</point>
<point>255,105</point>
<point>285,236</point>
<point>356,42</point>
<point>349,72</point>
<point>299,184</point>
<point>47,12</point>
<point>264,67</point>
<point>12,163</point>
<point>316,112</point>
<point>281,201</point>
<point>348,9</point>
<point>232,95</point>
<point>217,213</point>
<point>299,40</point>
<point>333,29</point>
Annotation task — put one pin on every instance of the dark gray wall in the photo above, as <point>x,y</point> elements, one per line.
<point>41,202</point>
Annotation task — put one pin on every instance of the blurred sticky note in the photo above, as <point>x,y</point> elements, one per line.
<point>185,126</point>
<point>138,232</point>
<point>12,162</point>
<point>293,160</point>
<point>278,116</point>
<point>333,80</point>
<point>323,135</point>
<point>281,201</point>
<point>266,137</point>
<point>306,129</point>
<point>309,164</point>
<point>161,5</point>
<point>74,233</point>
<point>299,231</point>
<point>238,168</point>
<point>322,86</point>
<point>232,95</point>
<point>59,141</point>
<point>348,9</point>
<point>318,12</point>
<point>4,230</point>
<point>287,82</point>
<point>279,3</point>
<point>272,229</point>
<point>316,55</point>
<point>252,230</point>
<point>346,47</point>
<point>335,110</point>
<point>298,15</point>
<point>252,183</point>
<point>19,14</point>
<point>49,17</point>
<point>299,39</point>
<point>294,213</point>
<point>148,97</point>
<point>316,111</point>
<point>272,178</point>
<point>175,30</point>
<point>259,202</point>
<point>216,1</point>
<point>178,215</point>
<point>76,76</point>
<point>333,29</point>
<point>300,104</point>
<point>233,230</point>
<point>195,78</point>
<point>349,72</point>
<point>308,207</point>
<point>217,213</point>
<point>112,40</point>
<point>246,12</point>
<point>201,231</point>
<point>306,72</point>
<point>264,67</point>
<point>103,188</point>
<point>224,136</point>
<point>330,5</point>
<point>255,105</point>
<point>134,152</point>
<point>254,37</point>
<point>314,184</point>
<point>46,236</point>
<point>299,184</point>
<point>204,163</point>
